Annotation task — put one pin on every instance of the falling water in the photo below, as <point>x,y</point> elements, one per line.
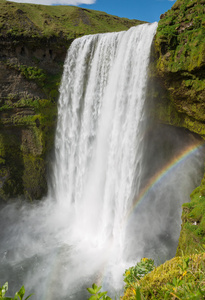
<point>100,130</point>
<point>88,229</point>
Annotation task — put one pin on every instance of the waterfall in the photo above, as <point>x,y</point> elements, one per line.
<point>96,221</point>
<point>100,131</point>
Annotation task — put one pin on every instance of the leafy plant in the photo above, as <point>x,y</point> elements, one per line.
<point>189,285</point>
<point>18,296</point>
<point>138,294</point>
<point>181,278</point>
<point>96,294</point>
<point>31,73</point>
<point>3,290</point>
<point>135,273</point>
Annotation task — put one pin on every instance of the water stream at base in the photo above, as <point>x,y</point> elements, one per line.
<point>90,228</point>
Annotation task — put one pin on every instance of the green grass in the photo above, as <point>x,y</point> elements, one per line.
<point>181,35</point>
<point>17,19</point>
<point>192,236</point>
<point>180,53</point>
<point>179,278</point>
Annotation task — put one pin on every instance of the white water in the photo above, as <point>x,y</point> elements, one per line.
<point>99,133</point>
<point>83,231</point>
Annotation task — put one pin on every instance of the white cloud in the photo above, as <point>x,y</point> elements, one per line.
<point>52,2</point>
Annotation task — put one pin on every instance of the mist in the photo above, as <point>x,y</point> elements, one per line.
<point>38,249</point>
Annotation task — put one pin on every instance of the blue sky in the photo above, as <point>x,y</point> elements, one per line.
<point>145,10</point>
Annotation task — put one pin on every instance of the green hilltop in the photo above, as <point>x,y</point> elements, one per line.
<point>31,20</point>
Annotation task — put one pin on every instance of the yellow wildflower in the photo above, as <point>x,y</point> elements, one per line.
<point>134,291</point>
<point>144,259</point>
<point>127,273</point>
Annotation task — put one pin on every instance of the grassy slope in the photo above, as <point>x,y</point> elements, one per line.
<point>179,278</point>
<point>32,20</point>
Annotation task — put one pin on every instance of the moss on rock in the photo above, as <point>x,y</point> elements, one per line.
<point>180,52</point>
<point>11,165</point>
<point>179,64</point>
<point>26,138</point>
<point>192,235</point>
<point>34,177</point>
<point>177,87</point>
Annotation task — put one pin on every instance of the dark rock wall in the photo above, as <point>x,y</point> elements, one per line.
<point>30,73</point>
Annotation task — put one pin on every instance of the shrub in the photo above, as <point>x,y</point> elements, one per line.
<point>18,296</point>
<point>135,273</point>
<point>96,294</point>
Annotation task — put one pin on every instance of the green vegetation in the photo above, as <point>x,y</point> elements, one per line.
<point>11,165</point>
<point>48,82</point>
<point>31,73</point>
<point>23,152</point>
<point>180,53</point>
<point>69,22</point>
<point>180,36</point>
<point>179,278</point>
<point>96,294</point>
<point>192,235</point>
<point>18,295</point>
<point>138,271</point>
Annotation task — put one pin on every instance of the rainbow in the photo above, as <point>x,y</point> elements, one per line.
<point>184,154</point>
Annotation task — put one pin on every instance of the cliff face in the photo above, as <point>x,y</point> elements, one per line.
<point>180,53</point>
<point>180,101</point>
<point>33,44</point>
<point>29,76</point>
